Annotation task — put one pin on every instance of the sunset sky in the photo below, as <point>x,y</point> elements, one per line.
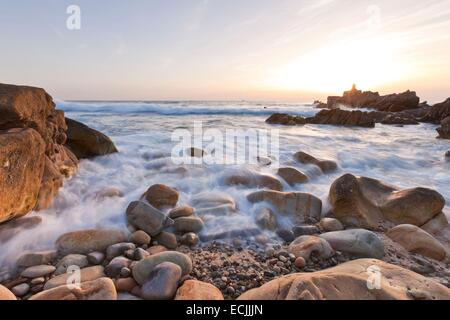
<point>297,50</point>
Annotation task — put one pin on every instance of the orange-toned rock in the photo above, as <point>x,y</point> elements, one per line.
<point>86,142</point>
<point>193,290</point>
<point>160,196</point>
<point>324,165</point>
<point>364,279</point>
<point>254,180</point>
<point>369,203</point>
<point>5,294</point>
<point>100,289</point>
<point>22,162</point>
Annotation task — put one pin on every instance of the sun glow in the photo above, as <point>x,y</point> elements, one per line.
<point>369,63</point>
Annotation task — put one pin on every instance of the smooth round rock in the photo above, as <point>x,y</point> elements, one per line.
<point>38,271</point>
<point>188,224</point>
<point>193,290</point>
<point>140,238</point>
<point>21,290</point>
<point>96,257</point>
<point>160,196</point>
<point>167,239</point>
<point>300,262</point>
<point>190,239</point>
<point>180,212</point>
<point>162,282</point>
<point>143,268</point>
<point>357,242</point>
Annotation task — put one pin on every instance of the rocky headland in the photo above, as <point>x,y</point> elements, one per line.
<point>394,109</point>
<point>376,241</point>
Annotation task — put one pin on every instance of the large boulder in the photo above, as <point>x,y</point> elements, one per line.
<point>22,162</point>
<point>32,134</point>
<point>292,176</point>
<point>100,289</point>
<point>343,118</point>
<point>286,119</point>
<point>86,142</point>
<point>365,279</point>
<point>87,241</point>
<point>356,242</point>
<point>444,130</point>
<point>302,207</point>
<point>370,204</point>
<point>418,241</point>
<point>6,294</point>
<point>437,113</point>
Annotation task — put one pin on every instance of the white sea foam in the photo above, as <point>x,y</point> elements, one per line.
<point>407,157</point>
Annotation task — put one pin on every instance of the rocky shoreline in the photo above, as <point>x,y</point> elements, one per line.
<point>395,109</point>
<point>397,237</point>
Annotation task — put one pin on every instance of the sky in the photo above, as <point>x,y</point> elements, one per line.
<point>286,50</point>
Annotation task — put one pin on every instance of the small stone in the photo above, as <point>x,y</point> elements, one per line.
<point>38,271</point>
<point>21,290</point>
<point>270,252</point>
<point>162,283</point>
<point>300,262</point>
<point>189,239</point>
<point>118,249</point>
<point>160,196</point>
<point>129,254</point>
<point>140,238</point>
<point>140,254</point>
<point>96,258</point>
<point>286,235</point>
<point>125,284</point>
<point>167,239</point>
<point>185,211</point>
<point>37,281</point>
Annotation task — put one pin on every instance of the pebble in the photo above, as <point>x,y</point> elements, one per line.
<point>300,262</point>
<point>37,281</point>
<point>286,235</point>
<point>305,231</point>
<point>21,290</point>
<point>38,271</point>
<point>190,239</point>
<point>270,252</point>
<point>70,260</point>
<point>125,284</point>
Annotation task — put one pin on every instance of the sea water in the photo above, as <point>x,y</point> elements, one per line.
<point>406,157</point>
